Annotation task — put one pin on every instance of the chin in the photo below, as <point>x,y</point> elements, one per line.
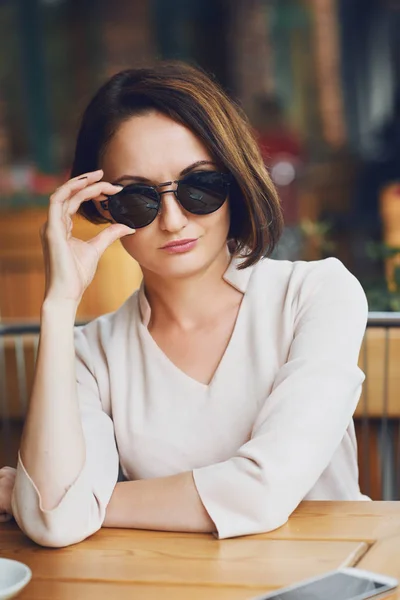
<point>180,266</point>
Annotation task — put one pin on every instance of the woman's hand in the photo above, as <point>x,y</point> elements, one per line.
<point>7,480</point>
<point>71,263</point>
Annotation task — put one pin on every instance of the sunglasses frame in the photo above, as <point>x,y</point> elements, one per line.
<point>227,177</point>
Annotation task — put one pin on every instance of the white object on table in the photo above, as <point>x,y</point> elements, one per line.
<point>14,576</point>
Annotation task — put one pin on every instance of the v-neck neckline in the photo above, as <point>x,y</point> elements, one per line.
<point>239,280</point>
<point>222,363</point>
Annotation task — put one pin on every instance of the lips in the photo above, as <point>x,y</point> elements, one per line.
<point>178,243</point>
<point>180,246</point>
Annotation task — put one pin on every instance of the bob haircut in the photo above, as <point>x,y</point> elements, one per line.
<point>190,97</point>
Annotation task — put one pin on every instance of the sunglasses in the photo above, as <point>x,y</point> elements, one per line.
<point>199,193</point>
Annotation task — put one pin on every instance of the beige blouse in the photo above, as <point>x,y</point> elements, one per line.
<point>273,427</point>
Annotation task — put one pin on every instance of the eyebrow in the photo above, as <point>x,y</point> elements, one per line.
<point>185,171</point>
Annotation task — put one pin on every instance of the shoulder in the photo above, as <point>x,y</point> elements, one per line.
<point>300,269</point>
<point>302,284</point>
<point>304,275</point>
<point>328,278</point>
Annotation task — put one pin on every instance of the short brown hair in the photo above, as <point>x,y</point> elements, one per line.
<point>189,96</point>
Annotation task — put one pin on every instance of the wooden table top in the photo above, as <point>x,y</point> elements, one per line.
<point>121,564</point>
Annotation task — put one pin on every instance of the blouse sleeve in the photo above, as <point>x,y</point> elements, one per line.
<point>81,511</point>
<point>304,418</point>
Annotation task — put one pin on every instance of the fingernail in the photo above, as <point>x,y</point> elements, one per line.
<point>116,185</point>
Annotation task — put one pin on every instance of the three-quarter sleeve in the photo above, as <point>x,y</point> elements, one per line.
<point>81,511</point>
<point>305,417</point>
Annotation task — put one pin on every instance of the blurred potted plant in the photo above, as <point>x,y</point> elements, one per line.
<point>316,241</point>
<point>384,294</point>
<point>308,240</point>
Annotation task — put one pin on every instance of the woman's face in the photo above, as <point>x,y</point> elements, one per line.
<point>154,149</point>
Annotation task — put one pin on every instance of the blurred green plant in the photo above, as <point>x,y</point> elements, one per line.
<point>316,237</point>
<point>384,295</point>
<point>307,240</point>
<point>379,251</point>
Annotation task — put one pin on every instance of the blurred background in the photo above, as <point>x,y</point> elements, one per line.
<point>318,79</point>
<point>320,83</point>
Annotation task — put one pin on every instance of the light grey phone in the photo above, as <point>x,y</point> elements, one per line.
<point>342,584</point>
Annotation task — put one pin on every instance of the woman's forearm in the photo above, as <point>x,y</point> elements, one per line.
<point>163,504</point>
<point>53,446</point>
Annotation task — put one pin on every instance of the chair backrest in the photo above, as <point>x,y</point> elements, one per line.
<point>18,349</point>
<point>377,416</point>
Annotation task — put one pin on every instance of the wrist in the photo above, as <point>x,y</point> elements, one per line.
<point>59,309</point>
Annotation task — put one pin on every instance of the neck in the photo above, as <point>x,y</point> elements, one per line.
<point>192,301</point>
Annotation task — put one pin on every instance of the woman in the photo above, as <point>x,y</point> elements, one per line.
<point>225,387</point>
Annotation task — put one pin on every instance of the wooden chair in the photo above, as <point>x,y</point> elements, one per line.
<point>378,413</point>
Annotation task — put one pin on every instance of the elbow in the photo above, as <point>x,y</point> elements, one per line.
<point>271,507</point>
<point>271,519</point>
<point>49,532</point>
<point>269,503</point>
<point>77,516</point>
<point>268,517</point>
<point>240,500</point>
<point>256,515</point>
<point>51,529</point>
<point>50,537</point>
<point>250,522</point>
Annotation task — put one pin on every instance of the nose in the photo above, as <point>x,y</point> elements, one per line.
<point>172,216</point>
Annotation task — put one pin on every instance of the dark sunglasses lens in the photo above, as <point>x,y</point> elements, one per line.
<point>204,192</point>
<point>135,206</point>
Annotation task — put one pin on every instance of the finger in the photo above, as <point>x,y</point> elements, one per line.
<point>69,226</point>
<point>65,191</point>
<point>5,473</point>
<point>92,192</point>
<point>108,236</point>
<point>89,175</point>
<point>60,223</point>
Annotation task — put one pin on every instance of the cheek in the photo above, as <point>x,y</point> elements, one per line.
<point>139,243</point>
<point>215,225</point>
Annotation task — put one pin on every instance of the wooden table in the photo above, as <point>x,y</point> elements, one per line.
<point>122,564</point>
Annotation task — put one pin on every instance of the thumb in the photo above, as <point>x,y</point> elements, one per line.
<point>108,236</point>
